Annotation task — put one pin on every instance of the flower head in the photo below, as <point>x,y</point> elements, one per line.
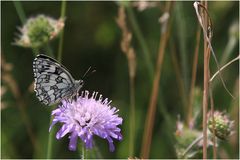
<point>222,126</point>
<point>38,31</point>
<point>86,117</point>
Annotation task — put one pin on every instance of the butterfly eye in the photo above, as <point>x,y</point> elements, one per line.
<point>81,82</point>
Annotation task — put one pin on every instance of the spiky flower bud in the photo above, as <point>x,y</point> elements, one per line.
<point>38,31</point>
<point>220,124</point>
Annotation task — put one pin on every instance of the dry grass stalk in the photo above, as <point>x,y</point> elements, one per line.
<point>147,137</point>
<point>205,23</point>
<point>126,41</point>
<point>205,84</point>
<point>131,57</point>
<point>223,67</point>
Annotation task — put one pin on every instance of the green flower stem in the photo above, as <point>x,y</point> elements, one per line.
<point>50,141</point>
<point>132,117</point>
<point>49,50</point>
<point>20,11</point>
<point>60,47</point>
<point>83,151</point>
<point>59,57</point>
<point>98,153</point>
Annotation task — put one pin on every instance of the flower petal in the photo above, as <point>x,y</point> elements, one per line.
<point>63,131</point>
<point>73,141</point>
<point>111,146</point>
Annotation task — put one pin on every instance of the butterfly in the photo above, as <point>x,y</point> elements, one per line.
<point>53,82</point>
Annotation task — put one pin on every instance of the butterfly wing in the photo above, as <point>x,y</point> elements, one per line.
<point>52,81</point>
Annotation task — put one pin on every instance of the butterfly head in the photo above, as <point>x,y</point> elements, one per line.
<point>78,84</point>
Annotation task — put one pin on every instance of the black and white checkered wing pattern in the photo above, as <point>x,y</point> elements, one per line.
<point>52,81</point>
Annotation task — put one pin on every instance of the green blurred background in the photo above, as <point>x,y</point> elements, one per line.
<point>92,38</point>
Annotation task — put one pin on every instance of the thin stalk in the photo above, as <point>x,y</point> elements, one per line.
<point>147,137</point>
<point>49,50</point>
<point>205,101</point>
<point>20,11</point>
<point>131,58</point>
<point>98,153</point>
<point>50,141</point>
<point>132,117</point>
<point>142,42</point>
<point>51,134</point>
<point>235,59</point>
<point>193,79</point>
<point>205,33</point>
<point>198,139</point>
<point>205,89</point>
<point>232,42</point>
<point>60,47</point>
<point>83,151</point>
<point>203,20</point>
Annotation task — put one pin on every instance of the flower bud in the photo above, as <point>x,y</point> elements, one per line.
<point>38,31</point>
<point>222,125</point>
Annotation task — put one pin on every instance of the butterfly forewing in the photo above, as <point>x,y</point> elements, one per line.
<point>52,81</point>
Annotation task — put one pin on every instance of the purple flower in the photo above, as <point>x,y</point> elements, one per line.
<point>85,117</point>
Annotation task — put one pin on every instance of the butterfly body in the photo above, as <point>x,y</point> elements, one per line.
<point>53,82</point>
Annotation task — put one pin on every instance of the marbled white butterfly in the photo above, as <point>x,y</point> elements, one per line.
<point>53,82</point>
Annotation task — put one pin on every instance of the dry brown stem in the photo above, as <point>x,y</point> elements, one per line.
<point>148,129</point>
<point>131,57</point>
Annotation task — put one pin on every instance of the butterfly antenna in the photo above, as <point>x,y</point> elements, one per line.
<point>85,74</point>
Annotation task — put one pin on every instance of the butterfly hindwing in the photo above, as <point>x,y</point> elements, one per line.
<point>52,81</point>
